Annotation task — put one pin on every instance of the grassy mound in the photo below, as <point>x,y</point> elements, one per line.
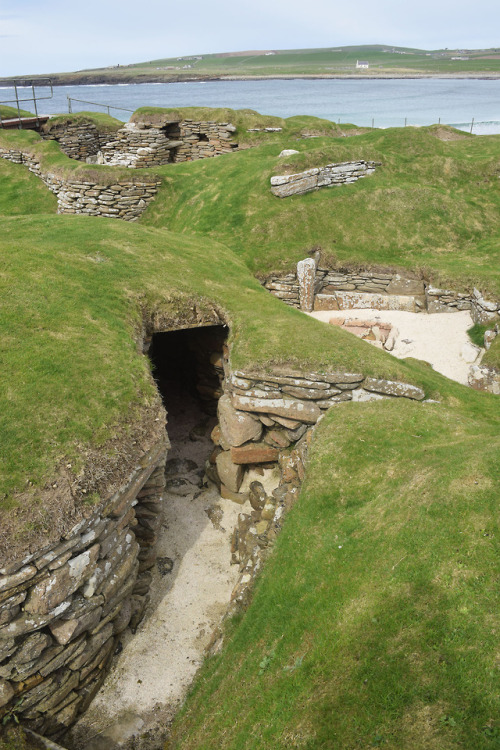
<point>374,623</point>
<point>432,206</point>
<point>6,113</point>
<point>104,122</point>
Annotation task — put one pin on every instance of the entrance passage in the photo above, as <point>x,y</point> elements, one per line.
<point>192,578</point>
<point>187,366</point>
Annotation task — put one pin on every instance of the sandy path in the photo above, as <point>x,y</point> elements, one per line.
<point>440,339</point>
<point>150,677</point>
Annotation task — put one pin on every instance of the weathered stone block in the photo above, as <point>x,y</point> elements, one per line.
<point>59,585</point>
<point>236,427</point>
<point>230,473</point>
<point>254,453</point>
<point>394,388</point>
<point>302,411</point>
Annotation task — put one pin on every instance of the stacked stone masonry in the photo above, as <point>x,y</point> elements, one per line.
<point>63,609</point>
<point>80,141</point>
<point>140,144</point>
<point>264,420</point>
<point>328,176</point>
<point>316,288</point>
<point>122,199</point>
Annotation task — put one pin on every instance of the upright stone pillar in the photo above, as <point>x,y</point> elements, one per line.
<point>306,274</point>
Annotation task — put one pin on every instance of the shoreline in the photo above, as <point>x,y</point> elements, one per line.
<point>113,80</point>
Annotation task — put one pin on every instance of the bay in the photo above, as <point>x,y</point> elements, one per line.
<point>364,102</point>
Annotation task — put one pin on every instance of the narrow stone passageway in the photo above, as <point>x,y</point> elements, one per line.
<point>192,578</point>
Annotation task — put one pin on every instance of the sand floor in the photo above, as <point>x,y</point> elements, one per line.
<point>150,677</point>
<point>440,339</point>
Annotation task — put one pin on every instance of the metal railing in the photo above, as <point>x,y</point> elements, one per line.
<point>34,98</point>
<point>95,104</point>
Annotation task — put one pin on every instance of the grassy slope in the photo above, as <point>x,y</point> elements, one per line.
<point>375,621</point>
<point>319,62</point>
<point>431,205</point>
<point>72,290</point>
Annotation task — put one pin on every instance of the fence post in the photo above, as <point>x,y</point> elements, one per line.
<point>373,122</point>
<point>69,104</point>
<point>471,125</point>
<point>405,121</point>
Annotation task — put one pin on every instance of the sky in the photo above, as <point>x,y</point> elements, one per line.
<point>52,36</point>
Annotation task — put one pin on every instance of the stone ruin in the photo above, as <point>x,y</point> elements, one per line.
<point>153,142</point>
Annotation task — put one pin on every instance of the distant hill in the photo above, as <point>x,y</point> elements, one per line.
<point>378,61</point>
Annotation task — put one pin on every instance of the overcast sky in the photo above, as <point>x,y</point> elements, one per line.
<point>50,36</point>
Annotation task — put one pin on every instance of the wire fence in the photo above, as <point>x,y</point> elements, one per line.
<point>107,107</point>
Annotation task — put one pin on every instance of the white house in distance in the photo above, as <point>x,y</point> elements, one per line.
<point>362,64</point>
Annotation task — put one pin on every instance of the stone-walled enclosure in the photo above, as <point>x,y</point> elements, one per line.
<point>121,199</point>
<point>78,140</point>
<point>143,144</point>
<point>328,176</point>
<point>313,287</point>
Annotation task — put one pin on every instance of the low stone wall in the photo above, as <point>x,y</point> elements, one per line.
<point>63,608</point>
<point>316,288</point>
<point>267,420</point>
<point>312,179</point>
<point>79,141</point>
<point>122,199</point>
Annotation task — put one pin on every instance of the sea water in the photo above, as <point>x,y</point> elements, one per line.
<point>364,102</point>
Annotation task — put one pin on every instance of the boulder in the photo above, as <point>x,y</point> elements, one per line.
<point>63,582</point>
<point>254,453</point>
<point>237,427</point>
<point>6,692</point>
<point>288,152</point>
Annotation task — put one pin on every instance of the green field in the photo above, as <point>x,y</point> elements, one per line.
<point>375,621</point>
<point>383,61</point>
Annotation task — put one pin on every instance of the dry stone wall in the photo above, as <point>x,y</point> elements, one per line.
<point>63,608</point>
<point>328,176</point>
<point>140,144</point>
<point>79,141</point>
<point>268,420</point>
<point>316,288</point>
<point>122,199</point>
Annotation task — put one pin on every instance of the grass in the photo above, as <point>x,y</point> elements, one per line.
<point>104,122</point>
<point>432,205</point>
<point>374,622</point>
<point>6,113</point>
<point>384,60</point>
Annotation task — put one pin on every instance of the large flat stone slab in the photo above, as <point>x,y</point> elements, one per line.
<point>302,411</point>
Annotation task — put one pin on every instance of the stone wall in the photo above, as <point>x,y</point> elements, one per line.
<point>78,140</point>
<point>312,179</point>
<point>121,199</point>
<point>141,144</point>
<point>63,608</point>
<point>316,288</point>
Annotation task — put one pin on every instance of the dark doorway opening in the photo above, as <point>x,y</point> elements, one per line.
<point>187,367</point>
